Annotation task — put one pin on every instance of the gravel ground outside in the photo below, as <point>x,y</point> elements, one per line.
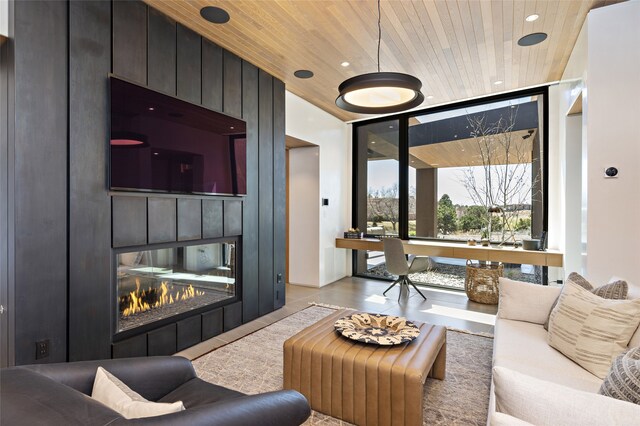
<point>452,276</point>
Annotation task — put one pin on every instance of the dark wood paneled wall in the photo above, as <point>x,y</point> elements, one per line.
<point>279,193</point>
<point>89,202</point>
<point>250,217</point>
<point>189,67</point>
<point>265,191</point>
<point>135,42</point>
<point>130,40</point>
<point>162,53</point>
<point>39,178</point>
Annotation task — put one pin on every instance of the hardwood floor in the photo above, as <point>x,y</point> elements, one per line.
<point>442,307</point>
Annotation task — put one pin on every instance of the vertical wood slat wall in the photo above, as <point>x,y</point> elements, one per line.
<point>37,203</point>
<point>136,42</point>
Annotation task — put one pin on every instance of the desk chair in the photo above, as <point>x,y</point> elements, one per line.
<point>397,264</point>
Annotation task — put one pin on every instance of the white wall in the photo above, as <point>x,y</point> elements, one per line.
<point>304,216</point>
<point>333,137</point>
<point>613,139</point>
<point>4,18</point>
<point>568,139</point>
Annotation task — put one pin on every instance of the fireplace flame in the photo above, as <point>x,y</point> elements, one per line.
<point>139,300</point>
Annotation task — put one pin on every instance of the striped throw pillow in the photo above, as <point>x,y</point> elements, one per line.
<point>590,330</point>
<point>615,290</point>
<point>623,380</point>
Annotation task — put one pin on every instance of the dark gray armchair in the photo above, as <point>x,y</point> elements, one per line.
<point>58,394</point>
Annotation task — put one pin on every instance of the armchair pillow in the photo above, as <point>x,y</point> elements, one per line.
<point>591,330</point>
<point>549,404</point>
<point>113,393</point>
<point>527,302</point>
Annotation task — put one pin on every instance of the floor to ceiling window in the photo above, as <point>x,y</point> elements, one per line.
<point>463,172</point>
<point>379,200</point>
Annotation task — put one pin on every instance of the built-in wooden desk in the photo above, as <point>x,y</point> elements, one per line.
<point>506,254</point>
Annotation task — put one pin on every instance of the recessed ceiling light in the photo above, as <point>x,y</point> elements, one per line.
<point>345,64</point>
<point>531,18</point>
<point>373,142</point>
<point>430,97</point>
<point>498,82</point>
<point>531,39</point>
<point>151,109</point>
<point>303,74</point>
<point>232,127</point>
<point>215,15</point>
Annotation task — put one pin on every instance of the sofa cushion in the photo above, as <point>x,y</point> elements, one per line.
<point>523,347</point>
<point>590,330</point>
<point>623,380</point>
<point>543,403</point>
<point>525,301</point>
<point>616,290</point>
<point>501,419</point>
<point>113,393</point>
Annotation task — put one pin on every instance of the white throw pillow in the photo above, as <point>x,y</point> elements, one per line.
<point>544,403</point>
<point>110,391</point>
<point>528,302</point>
<point>590,330</point>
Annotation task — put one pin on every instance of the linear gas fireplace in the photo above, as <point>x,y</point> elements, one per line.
<point>156,284</point>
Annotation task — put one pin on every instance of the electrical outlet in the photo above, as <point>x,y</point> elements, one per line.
<point>279,278</point>
<point>42,349</point>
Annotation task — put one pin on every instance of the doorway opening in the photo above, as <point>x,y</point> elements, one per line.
<point>302,212</point>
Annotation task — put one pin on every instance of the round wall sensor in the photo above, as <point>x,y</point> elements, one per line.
<point>611,172</point>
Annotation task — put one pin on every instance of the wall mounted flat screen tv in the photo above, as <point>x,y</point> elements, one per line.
<point>162,144</point>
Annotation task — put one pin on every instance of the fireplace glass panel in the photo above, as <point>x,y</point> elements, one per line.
<point>156,284</point>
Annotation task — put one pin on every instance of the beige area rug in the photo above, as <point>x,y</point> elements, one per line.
<point>253,364</point>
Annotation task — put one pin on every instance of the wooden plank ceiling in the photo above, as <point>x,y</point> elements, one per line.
<point>457,48</point>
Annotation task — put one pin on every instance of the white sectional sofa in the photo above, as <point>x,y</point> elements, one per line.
<point>535,384</point>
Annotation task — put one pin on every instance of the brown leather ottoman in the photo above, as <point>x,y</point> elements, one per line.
<point>362,383</point>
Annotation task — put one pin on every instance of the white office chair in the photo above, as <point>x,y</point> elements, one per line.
<point>397,264</point>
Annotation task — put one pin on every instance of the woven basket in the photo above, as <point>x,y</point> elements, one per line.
<point>481,282</point>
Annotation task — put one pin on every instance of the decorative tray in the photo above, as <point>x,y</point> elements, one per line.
<point>377,329</point>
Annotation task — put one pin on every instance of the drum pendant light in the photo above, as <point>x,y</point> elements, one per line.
<point>380,92</point>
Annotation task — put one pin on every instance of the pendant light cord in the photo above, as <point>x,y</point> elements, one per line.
<point>379,35</point>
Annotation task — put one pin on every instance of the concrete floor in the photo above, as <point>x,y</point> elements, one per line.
<point>442,307</point>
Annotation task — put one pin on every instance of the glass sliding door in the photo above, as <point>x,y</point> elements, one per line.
<point>377,189</point>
